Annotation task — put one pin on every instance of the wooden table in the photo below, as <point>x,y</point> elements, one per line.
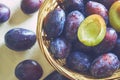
<point>9,58</point>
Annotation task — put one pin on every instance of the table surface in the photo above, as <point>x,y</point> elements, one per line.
<point>9,58</point>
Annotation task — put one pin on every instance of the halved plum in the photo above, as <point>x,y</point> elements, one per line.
<point>114,15</point>
<point>92,30</point>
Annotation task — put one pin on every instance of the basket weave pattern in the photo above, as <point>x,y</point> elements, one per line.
<point>46,7</point>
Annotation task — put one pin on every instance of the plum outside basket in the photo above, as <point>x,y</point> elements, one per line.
<point>46,7</point>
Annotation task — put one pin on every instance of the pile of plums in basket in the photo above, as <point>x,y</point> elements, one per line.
<point>86,33</point>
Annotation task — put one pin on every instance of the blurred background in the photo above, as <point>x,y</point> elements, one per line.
<point>9,58</point>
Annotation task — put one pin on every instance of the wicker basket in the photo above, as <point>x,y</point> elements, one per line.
<point>46,7</point>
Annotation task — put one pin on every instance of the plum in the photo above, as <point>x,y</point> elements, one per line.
<point>116,49</point>
<point>30,6</point>
<point>55,76</point>
<point>28,70</point>
<point>96,8</point>
<point>20,39</point>
<point>106,3</point>
<point>105,65</point>
<point>78,61</point>
<point>85,1</point>
<point>54,23</point>
<point>108,42</point>
<point>72,23</point>
<point>71,5</point>
<point>60,48</point>
<point>81,47</point>
<point>4,13</point>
